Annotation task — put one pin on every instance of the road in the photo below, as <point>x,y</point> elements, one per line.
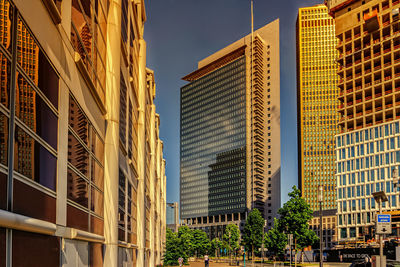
<point>214,264</point>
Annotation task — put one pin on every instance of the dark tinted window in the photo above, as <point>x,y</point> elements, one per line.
<point>97,146</point>
<point>77,189</point>
<point>3,139</point>
<point>33,160</point>
<point>3,191</point>
<point>37,200</point>
<point>77,218</point>
<point>97,204</point>
<point>5,74</point>
<point>35,113</point>
<point>35,250</point>
<point>78,121</point>
<point>97,175</point>
<point>78,155</point>
<point>48,80</point>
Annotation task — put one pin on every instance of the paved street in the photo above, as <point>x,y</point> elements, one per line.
<point>214,264</point>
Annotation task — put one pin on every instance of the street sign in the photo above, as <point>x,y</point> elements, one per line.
<point>290,239</point>
<point>383,224</point>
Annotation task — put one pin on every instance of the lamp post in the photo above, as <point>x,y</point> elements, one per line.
<point>396,184</point>
<point>320,200</point>
<point>380,197</point>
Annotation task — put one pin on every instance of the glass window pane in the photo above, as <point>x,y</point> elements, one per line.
<point>6,24</point>
<point>33,160</point>
<point>97,175</point>
<point>48,79</point>
<point>5,75</point>
<point>35,113</point>
<point>77,218</point>
<point>3,139</point>
<point>78,155</point>
<point>97,147</point>
<point>36,250</point>
<point>77,189</point>
<point>3,191</point>
<point>97,202</point>
<point>78,121</point>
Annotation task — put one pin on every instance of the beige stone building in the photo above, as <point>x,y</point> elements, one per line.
<point>82,180</point>
<point>329,229</point>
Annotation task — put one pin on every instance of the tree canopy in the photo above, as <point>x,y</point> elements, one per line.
<point>294,218</point>
<point>275,241</point>
<point>253,231</point>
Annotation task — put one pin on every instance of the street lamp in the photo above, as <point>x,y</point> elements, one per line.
<point>379,198</point>
<point>320,200</point>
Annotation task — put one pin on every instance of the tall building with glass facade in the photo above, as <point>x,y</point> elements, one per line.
<point>369,94</point>
<point>82,174</point>
<point>317,104</point>
<point>230,134</point>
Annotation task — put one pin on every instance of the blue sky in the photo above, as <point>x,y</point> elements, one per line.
<point>179,33</point>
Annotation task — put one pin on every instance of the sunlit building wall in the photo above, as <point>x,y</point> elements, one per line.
<point>369,95</point>
<point>317,104</point>
<point>82,180</point>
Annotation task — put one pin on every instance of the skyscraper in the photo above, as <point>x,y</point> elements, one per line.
<point>368,147</point>
<point>230,134</point>
<point>316,104</point>
<point>317,112</point>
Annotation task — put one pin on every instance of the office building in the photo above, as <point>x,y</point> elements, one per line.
<point>316,104</point>
<point>82,175</point>
<point>369,95</point>
<point>230,134</point>
<point>173,216</point>
<point>329,227</point>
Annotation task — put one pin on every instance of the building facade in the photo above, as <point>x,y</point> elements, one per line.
<point>230,134</point>
<point>369,95</point>
<point>329,227</point>
<point>82,180</point>
<point>173,216</point>
<point>365,161</point>
<point>317,104</point>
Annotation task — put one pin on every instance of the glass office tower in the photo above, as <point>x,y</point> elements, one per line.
<point>230,134</point>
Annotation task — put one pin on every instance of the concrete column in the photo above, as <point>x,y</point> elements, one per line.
<point>141,215</point>
<point>112,134</point>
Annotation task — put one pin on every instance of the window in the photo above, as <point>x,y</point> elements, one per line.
<point>85,177</point>
<point>88,32</point>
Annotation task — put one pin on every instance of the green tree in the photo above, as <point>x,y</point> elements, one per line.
<point>216,245</point>
<point>253,231</point>
<point>275,241</point>
<point>201,243</point>
<point>294,218</point>
<point>173,249</point>
<point>185,234</point>
<point>231,237</point>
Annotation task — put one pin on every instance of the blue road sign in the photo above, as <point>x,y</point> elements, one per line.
<point>384,218</point>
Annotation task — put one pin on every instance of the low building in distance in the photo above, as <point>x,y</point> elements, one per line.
<point>173,216</point>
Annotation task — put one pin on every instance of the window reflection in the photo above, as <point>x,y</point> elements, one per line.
<point>88,38</point>
<point>77,154</point>
<point>97,146</point>
<point>5,24</point>
<point>35,113</point>
<point>5,75</point>
<point>97,175</point>
<point>77,189</point>
<point>78,120</point>
<point>33,160</point>
<point>3,139</point>
<point>97,202</point>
